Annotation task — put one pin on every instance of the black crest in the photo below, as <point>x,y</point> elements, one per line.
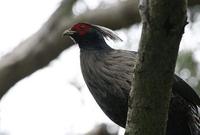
<point>107,33</point>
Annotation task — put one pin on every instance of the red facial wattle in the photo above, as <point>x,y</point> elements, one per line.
<point>81,28</point>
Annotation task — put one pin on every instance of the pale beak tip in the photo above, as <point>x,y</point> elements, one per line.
<point>68,32</point>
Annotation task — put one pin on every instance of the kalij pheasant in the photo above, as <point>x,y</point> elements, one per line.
<point>108,75</point>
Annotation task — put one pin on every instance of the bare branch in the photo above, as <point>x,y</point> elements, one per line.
<point>46,44</point>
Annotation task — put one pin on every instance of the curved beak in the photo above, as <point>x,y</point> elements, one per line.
<point>68,32</point>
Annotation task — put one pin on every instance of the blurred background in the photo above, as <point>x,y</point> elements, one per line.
<point>53,99</point>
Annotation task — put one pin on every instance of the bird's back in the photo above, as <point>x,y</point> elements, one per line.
<point>108,75</point>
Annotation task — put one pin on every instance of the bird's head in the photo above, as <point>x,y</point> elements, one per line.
<point>90,36</point>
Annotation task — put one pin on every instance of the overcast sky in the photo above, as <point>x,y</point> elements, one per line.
<point>45,103</point>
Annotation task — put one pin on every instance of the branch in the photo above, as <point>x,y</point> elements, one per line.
<point>36,51</point>
<point>46,44</point>
<point>163,26</point>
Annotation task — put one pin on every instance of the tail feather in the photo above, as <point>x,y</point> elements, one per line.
<point>194,122</point>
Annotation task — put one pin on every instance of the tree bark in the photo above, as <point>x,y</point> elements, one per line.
<point>46,44</point>
<point>163,26</point>
<point>193,2</point>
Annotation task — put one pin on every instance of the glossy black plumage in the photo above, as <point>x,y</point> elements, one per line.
<point>108,74</point>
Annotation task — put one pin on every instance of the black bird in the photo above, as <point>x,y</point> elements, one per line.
<point>108,75</point>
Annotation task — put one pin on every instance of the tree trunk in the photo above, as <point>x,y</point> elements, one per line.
<point>163,26</point>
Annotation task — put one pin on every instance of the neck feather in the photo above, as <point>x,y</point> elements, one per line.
<point>94,45</point>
